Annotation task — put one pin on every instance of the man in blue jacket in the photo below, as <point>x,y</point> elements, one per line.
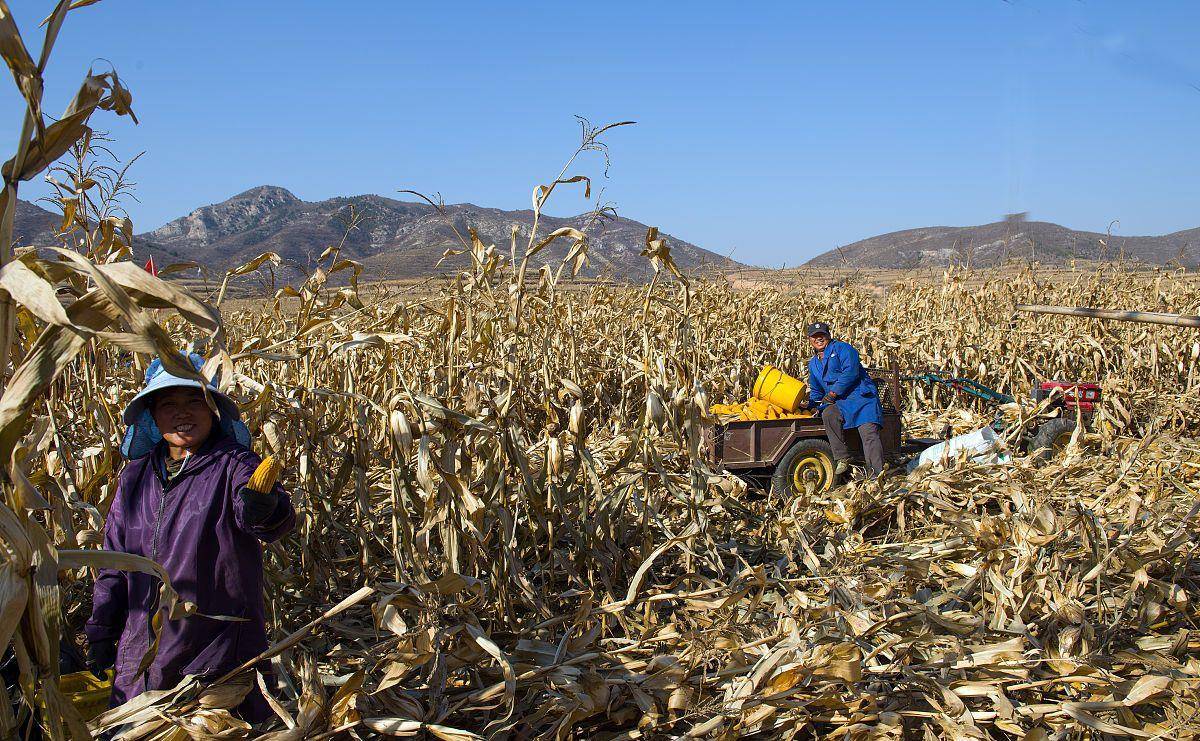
<point>840,387</point>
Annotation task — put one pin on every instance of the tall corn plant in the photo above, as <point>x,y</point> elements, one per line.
<point>89,193</point>
<point>51,312</point>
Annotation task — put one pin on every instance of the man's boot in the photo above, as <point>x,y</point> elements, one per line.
<point>841,467</point>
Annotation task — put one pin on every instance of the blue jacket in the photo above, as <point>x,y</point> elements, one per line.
<point>841,371</point>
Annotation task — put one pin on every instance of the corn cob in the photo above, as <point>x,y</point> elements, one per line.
<point>264,477</point>
<point>755,408</point>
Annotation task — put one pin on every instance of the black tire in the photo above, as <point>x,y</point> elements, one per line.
<point>1050,438</point>
<point>808,461</point>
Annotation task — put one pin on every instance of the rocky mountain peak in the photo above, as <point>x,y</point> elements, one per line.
<point>269,195</point>
<point>210,224</point>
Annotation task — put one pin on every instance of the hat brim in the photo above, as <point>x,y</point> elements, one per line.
<point>133,410</point>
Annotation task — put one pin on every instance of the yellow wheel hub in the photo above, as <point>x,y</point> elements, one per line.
<point>811,472</point>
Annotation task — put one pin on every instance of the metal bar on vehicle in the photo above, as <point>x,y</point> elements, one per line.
<point>1147,317</point>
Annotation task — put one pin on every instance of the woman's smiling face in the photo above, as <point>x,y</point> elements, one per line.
<point>183,417</point>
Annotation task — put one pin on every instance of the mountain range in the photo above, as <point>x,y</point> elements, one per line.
<point>1013,239</point>
<point>391,238</point>
<point>405,239</point>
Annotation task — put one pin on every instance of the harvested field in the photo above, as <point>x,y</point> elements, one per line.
<point>879,280</point>
<point>507,529</point>
<point>502,490</point>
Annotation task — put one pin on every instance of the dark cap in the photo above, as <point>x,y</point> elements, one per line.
<point>818,328</point>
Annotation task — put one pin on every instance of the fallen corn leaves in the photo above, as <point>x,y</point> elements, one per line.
<point>536,578</point>
<point>534,547</point>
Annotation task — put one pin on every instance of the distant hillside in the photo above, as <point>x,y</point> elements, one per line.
<point>396,239</point>
<point>34,225</point>
<point>993,244</point>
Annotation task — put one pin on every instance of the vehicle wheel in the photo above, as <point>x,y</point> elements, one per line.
<point>1051,438</point>
<point>807,466</point>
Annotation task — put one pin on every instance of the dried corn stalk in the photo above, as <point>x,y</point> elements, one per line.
<point>510,469</point>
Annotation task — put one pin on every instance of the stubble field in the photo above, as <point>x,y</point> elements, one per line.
<point>501,487</point>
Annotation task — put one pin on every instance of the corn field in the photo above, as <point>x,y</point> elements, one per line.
<point>508,529</point>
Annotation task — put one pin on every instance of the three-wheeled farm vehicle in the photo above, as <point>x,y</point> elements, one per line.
<point>1068,401</point>
<point>794,452</point>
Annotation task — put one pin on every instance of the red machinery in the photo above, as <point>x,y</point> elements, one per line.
<point>1085,396</point>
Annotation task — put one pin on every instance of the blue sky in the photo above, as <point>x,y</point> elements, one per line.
<point>772,131</point>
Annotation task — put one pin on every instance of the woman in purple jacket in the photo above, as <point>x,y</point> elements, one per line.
<point>181,501</point>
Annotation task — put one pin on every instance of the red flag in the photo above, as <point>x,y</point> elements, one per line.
<point>150,267</point>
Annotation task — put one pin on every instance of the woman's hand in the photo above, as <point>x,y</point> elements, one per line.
<point>257,506</point>
<point>101,656</point>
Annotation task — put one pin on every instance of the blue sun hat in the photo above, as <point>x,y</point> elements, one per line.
<point>142,434</point>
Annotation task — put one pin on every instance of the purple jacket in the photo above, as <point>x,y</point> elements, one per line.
<point>197,532</point>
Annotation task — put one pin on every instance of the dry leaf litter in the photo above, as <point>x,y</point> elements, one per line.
<point>507,529</point>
